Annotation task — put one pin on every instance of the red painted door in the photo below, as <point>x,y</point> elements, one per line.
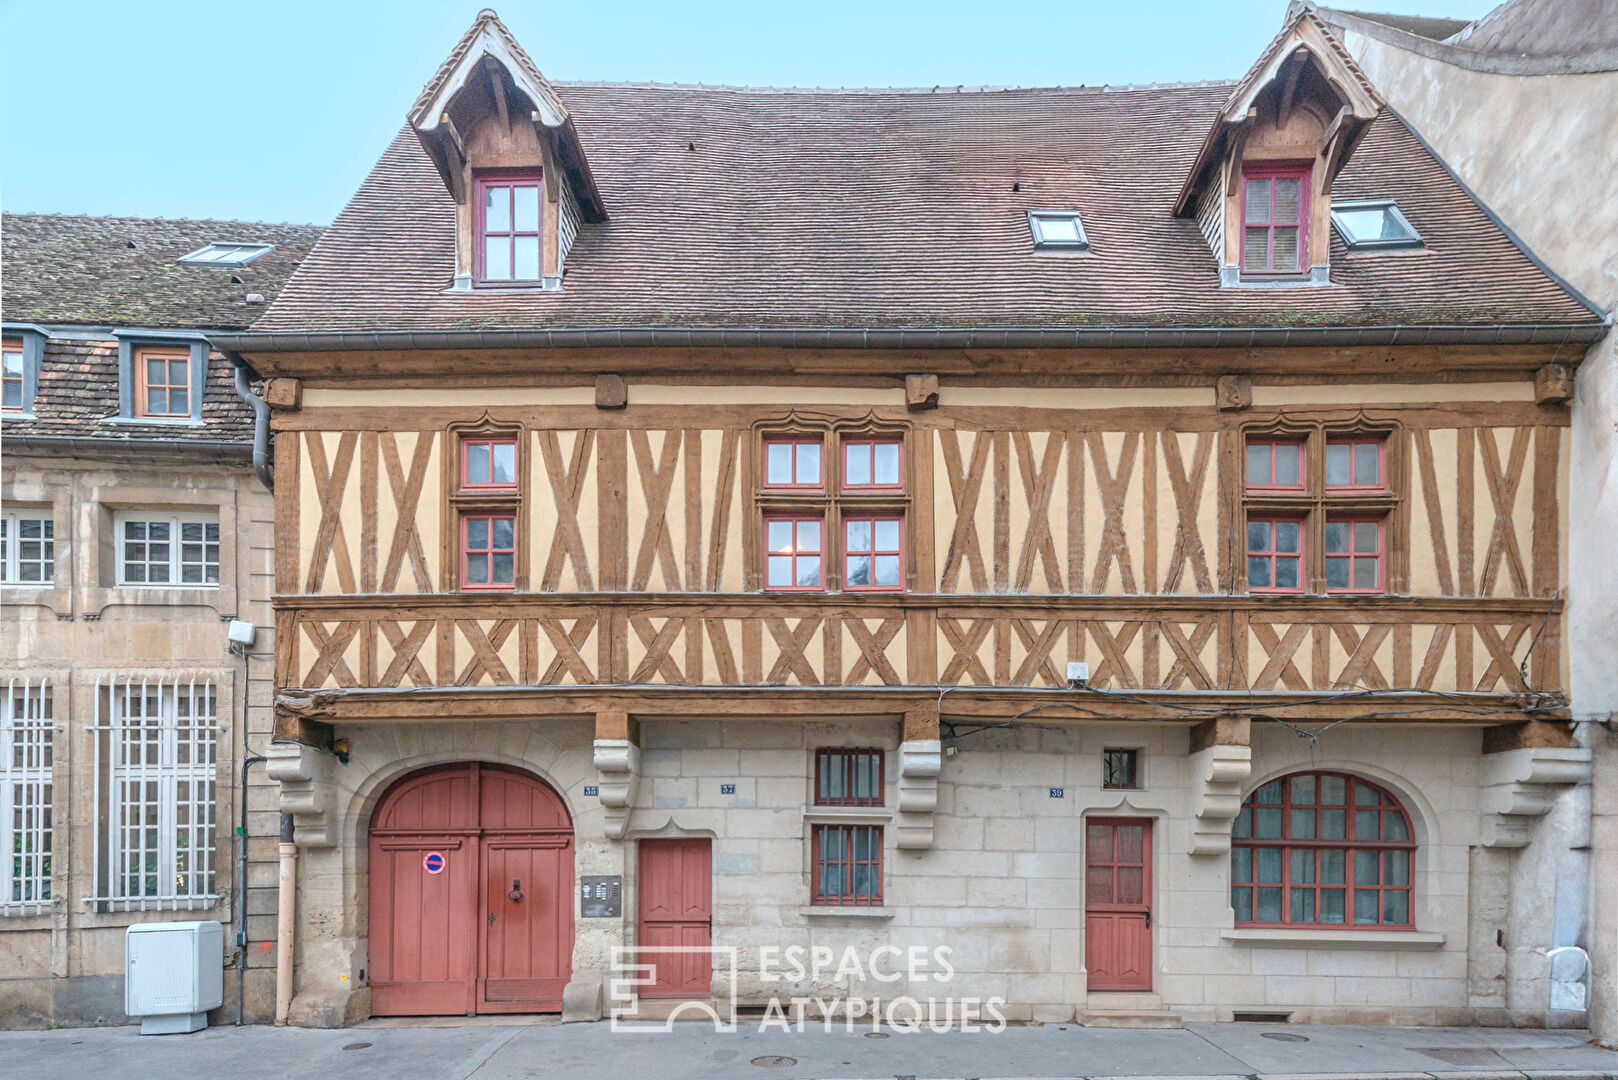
<point>676,909</point>
<point>1118,903</point>
<point>446,934</point>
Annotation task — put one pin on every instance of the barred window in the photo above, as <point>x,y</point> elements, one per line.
<point>25,795</point>
<point>154,790</point>
<point>848,865</point>
<point>848,777</point>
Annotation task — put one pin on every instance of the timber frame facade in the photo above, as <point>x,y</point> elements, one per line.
<point>1075,510</point>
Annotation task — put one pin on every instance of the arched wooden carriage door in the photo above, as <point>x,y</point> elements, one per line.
<point>471,884</point>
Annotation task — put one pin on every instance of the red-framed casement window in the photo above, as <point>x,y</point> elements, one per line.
<point>848,865</point>
<point>1354,555</point>
<point>1356,465</point>
<point>848,776</point>
<point>488,464</point>
<point>794,465</point>
<point>1275,465</point>
<point>1322,849</point>
<point>163,382</point>
<point>873,465</point>
<point>1275,219</point>
<point>488,552</point>
<point>873,554</point>
<point>795,553</point>
<point>509,226</point>
<point>1274,554</point>
<point>11,375</point>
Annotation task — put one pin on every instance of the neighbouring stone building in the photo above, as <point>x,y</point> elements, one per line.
<point>134,530</point>
<point>1523,104</point>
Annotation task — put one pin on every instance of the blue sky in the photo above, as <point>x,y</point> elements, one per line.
<point>275,110</point>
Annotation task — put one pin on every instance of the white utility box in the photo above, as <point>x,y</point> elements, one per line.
<point>173,974</point>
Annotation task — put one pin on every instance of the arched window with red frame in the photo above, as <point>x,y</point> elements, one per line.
<point>1322,849</point>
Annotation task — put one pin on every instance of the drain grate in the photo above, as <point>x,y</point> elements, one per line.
<point>358,1046</point>
<point>1283,1036</point>
<point>876,1034</point>
<point>774,1061</point>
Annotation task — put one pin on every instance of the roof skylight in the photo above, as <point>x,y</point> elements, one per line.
<point>225,253</point>
<point>1057,230</point>
<point>1373,225</point>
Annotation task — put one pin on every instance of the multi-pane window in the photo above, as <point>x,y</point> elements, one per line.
<point>168,549</point>
<point>1322,849</point>
<point>795,557</point>
<point>508,228</point>
<point>488,464</point>
<point>1353,555</point>
<point>11,375</point>
<point>1275,465</point>
<point>848,777</point>
<point>27,549</point>
<point>1120,768</point>
<point>872,465</point>
<point>155,766</point>
<point>1274,554</point>
<point>847,865</point>
<point>833,512</point>
<point>1355,465</point>
<point>1275,214</point>
<point>162,382</point>
<point>1317,510</point>
<point>488,552</point>
<point>25,795</point>
<point>486,502</point>
<point>873,554</point>
<point>793,463</point>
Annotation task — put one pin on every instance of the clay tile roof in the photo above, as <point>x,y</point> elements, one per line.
<point>121,271</point>
<point>737,208</point>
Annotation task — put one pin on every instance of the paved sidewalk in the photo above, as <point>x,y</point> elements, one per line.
<point>521,1048</point>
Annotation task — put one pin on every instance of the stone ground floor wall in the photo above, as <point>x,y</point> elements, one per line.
<point>1002,884</point>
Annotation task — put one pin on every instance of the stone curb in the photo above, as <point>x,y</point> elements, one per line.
<point>1445,1074</point>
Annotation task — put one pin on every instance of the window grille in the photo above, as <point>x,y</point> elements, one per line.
<point>155,754</point>
<point>25,796</point>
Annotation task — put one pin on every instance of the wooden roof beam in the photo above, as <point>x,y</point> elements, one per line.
<point>497,87</point>
<point>1295,66</point>
<point>1238,143</point>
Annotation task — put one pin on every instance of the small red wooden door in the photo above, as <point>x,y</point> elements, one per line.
<point>676,909</point>
<point>446,937</point>
<point>1118,903</point>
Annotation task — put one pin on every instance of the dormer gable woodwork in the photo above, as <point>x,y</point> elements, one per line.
<point>1303,107</point>
<point>489,111</point>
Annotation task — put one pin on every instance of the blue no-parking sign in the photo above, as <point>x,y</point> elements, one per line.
<point>433,862</point>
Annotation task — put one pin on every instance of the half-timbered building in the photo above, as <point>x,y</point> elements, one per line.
<point>1115,533</point>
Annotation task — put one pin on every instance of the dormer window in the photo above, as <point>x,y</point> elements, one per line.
<point>508,229</point>
<point>1374,225</point>
<point>225,254</point>
<point>1275,216</point>
<point>1057,230</point>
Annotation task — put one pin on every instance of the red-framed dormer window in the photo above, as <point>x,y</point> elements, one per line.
<point>1354,550</point>
<point>794,465</point>
<point>795,553</point>
<point>508,228</point>
<point>873,554</point>
<point>873,465</point>
<point>488,464</point>
<point>1275,219</point>
<point>488,552</point>
<point>1356,465</point>
<point>1275,465</point>
<point>1275,555</point>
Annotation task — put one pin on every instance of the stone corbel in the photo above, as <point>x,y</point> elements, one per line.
<point>1517,788</point>
<point>920,763</point>
<point>1217,775</point>
<point>308,791</point>
<point>617,761</point>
